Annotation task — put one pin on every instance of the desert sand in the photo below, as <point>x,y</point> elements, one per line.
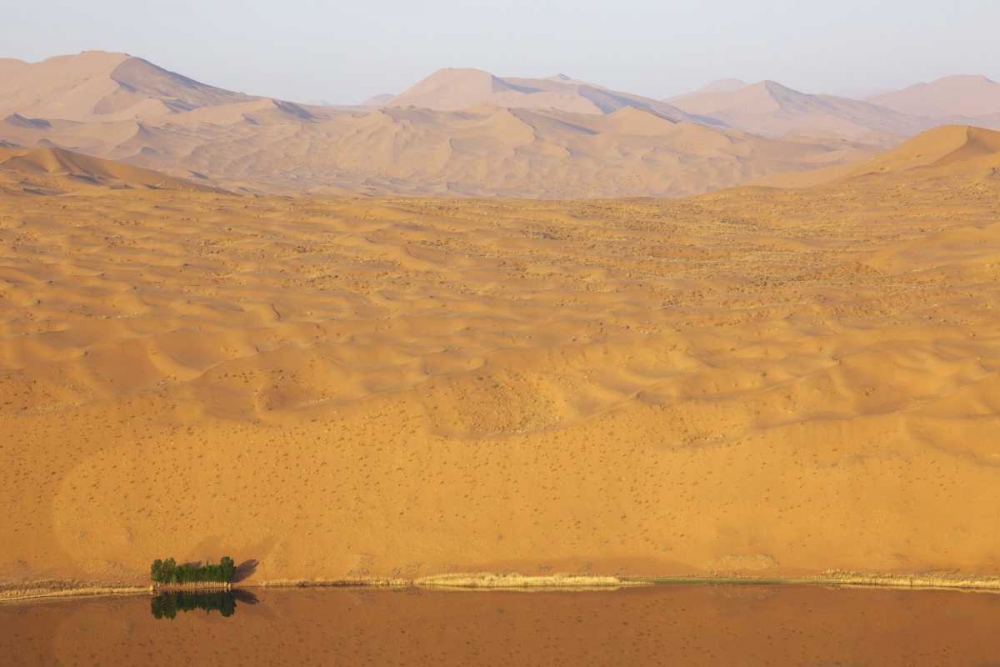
<point>755,382</point>
<point>57,171</point>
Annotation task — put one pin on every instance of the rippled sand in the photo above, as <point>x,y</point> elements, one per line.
<point>753,382</point>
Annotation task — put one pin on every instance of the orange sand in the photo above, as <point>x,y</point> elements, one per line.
<point>752,382</point>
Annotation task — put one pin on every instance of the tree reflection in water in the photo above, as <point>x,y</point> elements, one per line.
<point>166,605</point>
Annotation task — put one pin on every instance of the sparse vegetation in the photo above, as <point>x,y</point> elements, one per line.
<point>169,572</point>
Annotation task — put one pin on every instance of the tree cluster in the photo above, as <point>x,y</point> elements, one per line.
<point>169,572</point>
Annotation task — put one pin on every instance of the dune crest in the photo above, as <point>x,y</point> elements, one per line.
<point>971,153</point>
<point>26,167</point>
<point>774,110</point>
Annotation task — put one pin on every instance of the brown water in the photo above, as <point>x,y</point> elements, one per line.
<point>675,625</point>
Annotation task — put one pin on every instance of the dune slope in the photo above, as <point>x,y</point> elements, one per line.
<point>774,110</point>
<point>60,170</point>
<point>950,96</point>
<point>944,153</point>
<point>752,382</point>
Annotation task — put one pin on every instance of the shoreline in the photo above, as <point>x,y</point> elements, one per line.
<point>191,586</point>
<point>56,590</point>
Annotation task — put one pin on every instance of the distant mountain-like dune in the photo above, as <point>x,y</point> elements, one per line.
<point>457,89</point>
<point>952,96</point>
<point>457,133</point>
<point>774,110</point>
<point>54,166</point>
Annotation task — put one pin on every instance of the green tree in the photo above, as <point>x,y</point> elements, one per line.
<point>169,572</point>
<point>227,569</point>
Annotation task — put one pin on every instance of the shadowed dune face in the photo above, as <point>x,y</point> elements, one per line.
<point>675,625</point>
<point>770,109</point>
<point>268,146</point>
<point>748,382</point>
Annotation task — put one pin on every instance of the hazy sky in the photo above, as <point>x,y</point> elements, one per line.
<point>344,52</point>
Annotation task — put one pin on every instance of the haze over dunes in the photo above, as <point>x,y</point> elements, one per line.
<point>970,97</point>
<point>753,381</point>
<point>55,170</point>
<point>771,109</point>
<point>457,89</point>
<point>459,132</point>
<point>101,86</point>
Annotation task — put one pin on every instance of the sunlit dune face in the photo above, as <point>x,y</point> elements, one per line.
<point>748,382</point>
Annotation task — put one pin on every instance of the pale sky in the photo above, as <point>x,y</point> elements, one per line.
<point>344,52</point>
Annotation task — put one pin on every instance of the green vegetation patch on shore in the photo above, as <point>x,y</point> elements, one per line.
<point>169,572</point>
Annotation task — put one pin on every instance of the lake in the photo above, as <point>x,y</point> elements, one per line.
<point>666,625</point>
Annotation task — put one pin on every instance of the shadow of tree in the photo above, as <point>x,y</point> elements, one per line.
<point>245,596</point>
<point>245,570</point>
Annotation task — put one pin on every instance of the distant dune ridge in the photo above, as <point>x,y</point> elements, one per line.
<point>969,97</point>
<point>55,167</point>
<point>755,382</point>
<point>100,86</point>
<point>770,109</point>
<point>460,132</point>
<point>458,89</point>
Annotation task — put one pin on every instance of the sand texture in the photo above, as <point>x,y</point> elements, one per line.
<point>756,382</point>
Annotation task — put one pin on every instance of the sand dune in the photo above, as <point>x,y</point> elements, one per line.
<point>458,133</point>
<point>101,86</point>
<point>770,109</point>
<point>55,169</point>
<point>462,132</point>
<point>970,97</point>
<point>749,382</point>
<point>488,151</point>
<point>457,89</point>
<point>946,152</point>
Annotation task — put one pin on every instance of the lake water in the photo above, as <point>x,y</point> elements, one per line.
<point>669,625</point>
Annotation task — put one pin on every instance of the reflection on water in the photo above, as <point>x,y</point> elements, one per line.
<point>166,605</point>
<point>670,625</point>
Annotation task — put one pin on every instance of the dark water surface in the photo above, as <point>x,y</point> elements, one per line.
<point>671,625</point>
